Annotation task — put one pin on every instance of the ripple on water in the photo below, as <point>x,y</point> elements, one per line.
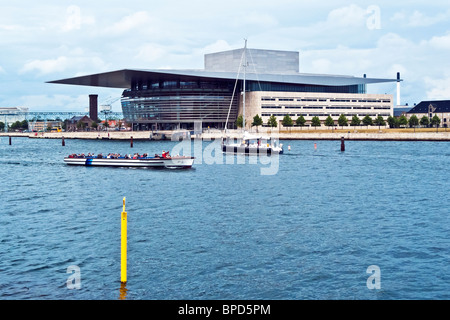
<point>226,231</point>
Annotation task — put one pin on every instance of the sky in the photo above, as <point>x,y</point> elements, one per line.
<point>49,40</point>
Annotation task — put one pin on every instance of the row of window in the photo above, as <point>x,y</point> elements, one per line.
<point>322,107</point>
<point>169,84</point>
<point>290,87</point>
<point>213,107</point>
<point>325,114</point>
<point>324,100</point>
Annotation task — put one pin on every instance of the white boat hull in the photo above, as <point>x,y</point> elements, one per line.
<point>235,149</point>
<point>173,163</point>
<point>252,145</point>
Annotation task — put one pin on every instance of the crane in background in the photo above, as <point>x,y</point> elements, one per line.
<point>106,107</point>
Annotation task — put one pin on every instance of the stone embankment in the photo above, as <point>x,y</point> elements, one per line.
<point>382,135</point>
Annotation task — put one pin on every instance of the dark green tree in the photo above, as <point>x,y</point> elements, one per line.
<point>329,122</point>
<point>380,122</point>
<point>425,121</point>
<point>402,120</point>
<point>24,125</point>
<point>392,121</point>
<point>300,121</point>
<point>272,122</point>
<point>342,121</point>
<point>240,121</point>
<point>257,121</point>
<point>413,121</point>
<point>435,121</point>
<point>315,122</point>
<point>16,125</point>
<point>287,121</point>
<point>355,121</point>
<point>367,121</point>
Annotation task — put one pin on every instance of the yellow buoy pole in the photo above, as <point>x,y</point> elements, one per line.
<point>123,251</point>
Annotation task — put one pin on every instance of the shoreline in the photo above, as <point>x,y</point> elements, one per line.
<point>362,135</point>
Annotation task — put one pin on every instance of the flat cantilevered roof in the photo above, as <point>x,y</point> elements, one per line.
<point>124,78</point>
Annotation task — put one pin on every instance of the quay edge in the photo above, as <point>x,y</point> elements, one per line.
<point>145,135</point>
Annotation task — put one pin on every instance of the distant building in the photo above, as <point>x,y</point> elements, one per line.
<point>170,99</point>
<point>441,108</point>
<point>10,115</point>
<point>43,125</point>
<point>401,110</point>
<point>72,124</point>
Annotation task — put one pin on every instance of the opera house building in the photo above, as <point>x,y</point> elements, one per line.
<point>177,99</point>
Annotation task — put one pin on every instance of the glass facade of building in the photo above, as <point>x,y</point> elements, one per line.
<point>288,87</point>
<point>178,104</point>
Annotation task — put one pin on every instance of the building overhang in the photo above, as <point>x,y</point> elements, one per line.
<point>125,78</point>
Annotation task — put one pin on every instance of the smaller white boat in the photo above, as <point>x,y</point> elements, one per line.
<point>252,145</point>
<point>247,144</point>
<point>176,162</point>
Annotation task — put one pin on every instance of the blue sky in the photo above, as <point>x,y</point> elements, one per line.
<point>49,40</point>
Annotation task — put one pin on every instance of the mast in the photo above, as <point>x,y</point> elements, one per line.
<point>242,63</point>
<point>245,68</point>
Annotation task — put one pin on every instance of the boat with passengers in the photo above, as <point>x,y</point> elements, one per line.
<point>117,160</point>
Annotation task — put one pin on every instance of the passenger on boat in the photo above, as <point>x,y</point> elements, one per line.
<point>165,154</point>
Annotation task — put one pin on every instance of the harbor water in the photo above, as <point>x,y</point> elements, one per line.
<point>314,228</point>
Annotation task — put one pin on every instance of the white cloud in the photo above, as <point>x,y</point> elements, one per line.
<point>53,102</point>
<point>321,65</point>
<point>255,19</point>
<point>46,66</point>
<point>219,45</point>
<point>64,63</point>
<point>394,42</point>
<point>46,38</point>
<point>139,19</point>
<point>150,53</point>
<point>438,89</point>
<point>66,102</point>
<point>349,16</point>
<point>10,27</point>
<point>419,19</point>
<point>441,42</point>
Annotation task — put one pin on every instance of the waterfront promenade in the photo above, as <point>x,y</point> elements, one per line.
<point>420,134</point>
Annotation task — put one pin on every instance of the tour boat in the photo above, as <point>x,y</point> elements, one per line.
<point>176,162</point>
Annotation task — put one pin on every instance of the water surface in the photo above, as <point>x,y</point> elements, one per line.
<point>221,231</point>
